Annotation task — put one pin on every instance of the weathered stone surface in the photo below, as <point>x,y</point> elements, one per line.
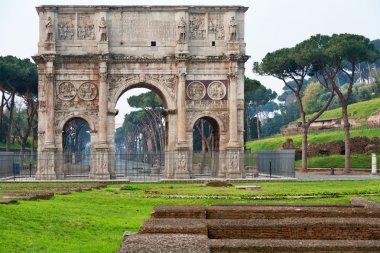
<point>231,228</point>
<point>165,243</point>
<point>88,56</point>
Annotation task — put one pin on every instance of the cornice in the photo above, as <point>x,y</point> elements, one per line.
<point>120,58</point>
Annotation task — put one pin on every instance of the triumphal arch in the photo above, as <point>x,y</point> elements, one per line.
<point>191,56</point>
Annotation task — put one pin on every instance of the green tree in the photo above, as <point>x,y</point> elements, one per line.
<point>17,77</point>
<point>250,86</point>
<point>342,54</point>
<point>260,97</point>
<point>313,97</point>
<point>294,64</point>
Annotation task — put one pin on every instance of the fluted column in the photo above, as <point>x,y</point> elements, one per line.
<point>181,109</point>
<point>49,94</point>
<point>103,104</point>
<point>233,127</point>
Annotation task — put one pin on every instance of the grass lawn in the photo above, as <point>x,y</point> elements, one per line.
<point>276,142</point>
<point>95,221</point>
<point>358,161</point>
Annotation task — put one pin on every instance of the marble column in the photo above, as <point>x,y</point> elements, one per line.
<point>233,147</point>
<point>47,162</point>
<point>233,126</point>
<point>103,104</point>
<point>102,149</point>
<point>181,109</point>
<point>49,117</point>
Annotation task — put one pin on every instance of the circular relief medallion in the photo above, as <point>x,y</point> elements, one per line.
<point>216,90</point>
<point>196,90</point>
<point>66,91</point>
<point>87,91</point>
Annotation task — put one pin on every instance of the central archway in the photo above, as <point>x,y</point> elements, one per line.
<point>141,142</point>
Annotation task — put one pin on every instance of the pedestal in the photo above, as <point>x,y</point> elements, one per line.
<point>49,47</point>
<point>233,47</point>
<point>183,162</point>
<point>182,48</point>
<point>233,163</point>
<point>46,165</point>
<point>103,47</point>
<point>102,163</point>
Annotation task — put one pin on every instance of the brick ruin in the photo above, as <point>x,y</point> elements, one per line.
<point>247,228</point>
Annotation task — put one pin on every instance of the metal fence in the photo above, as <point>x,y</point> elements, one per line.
<point>279,163</point>
<point>145,167</point>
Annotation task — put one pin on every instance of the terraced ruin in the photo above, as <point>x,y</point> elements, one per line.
<point>247,228</point>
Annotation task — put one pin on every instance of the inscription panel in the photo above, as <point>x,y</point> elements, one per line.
<point>140,27</point>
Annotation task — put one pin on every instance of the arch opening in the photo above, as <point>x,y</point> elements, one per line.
<point>141,127</point>
<point>76,140</point>
<point>206,139</point>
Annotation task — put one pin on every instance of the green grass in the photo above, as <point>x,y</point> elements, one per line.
<point>364,109</point>
<point>95,221</point>
<point>358,161</point>
<point>276,142</point>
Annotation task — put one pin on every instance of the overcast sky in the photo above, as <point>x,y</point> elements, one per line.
<point>270,25</point>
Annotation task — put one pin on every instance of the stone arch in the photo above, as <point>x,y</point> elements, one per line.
<point>167,97</point>
<point>86,118</point>
<point>218,120</point>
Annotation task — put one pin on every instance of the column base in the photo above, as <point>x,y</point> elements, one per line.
<point>234,174</point>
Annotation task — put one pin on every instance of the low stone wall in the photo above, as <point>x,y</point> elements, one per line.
<point>269,228</point>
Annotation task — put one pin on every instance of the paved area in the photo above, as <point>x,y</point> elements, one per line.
<point>316,177</point>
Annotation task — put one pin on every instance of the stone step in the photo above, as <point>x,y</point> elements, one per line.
<point>293,246</point>
<point>263,212</point>
<point>296,229</point>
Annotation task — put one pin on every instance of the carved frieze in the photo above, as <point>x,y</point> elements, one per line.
<point>66,91</point>
<point>196,90</point>
<point>206,89</point>
<point>87,91</point>
<point>197,26</point>
<point>215,25</point>
<point>216,90</point>
<point>66,28</point>
<point>206,104</point>
<point>86,27</point>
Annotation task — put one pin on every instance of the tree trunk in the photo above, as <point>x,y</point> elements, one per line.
<point>347,142</point>
<point>10,122</point>
<point>304,148</point>
<point>257,121</point>
<point>247,122</point>
<point>3,100</point>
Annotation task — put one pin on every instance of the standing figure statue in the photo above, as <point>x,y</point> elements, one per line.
<point>182,30</point>
<point>232,29</point>
<point>103,30</point>
<point>49,26</point>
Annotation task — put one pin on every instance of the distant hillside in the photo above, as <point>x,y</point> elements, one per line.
<point>363,109</point>
<point>275,143</point>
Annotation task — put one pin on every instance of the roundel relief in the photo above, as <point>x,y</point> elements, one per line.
<point>87,91</point>
<point>66,91</point>
<point>196,90</point>
<point>216,90</point>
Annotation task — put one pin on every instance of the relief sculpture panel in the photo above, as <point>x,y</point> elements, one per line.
<point>197,26</point>
<point>215,25</point>
<point>86,28</point>
<point>66,29</point>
